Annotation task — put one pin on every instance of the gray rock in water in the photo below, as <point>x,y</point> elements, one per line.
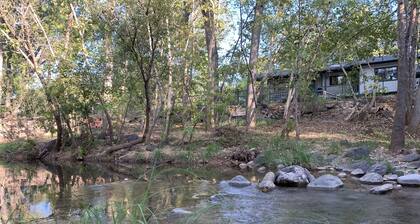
<point>410,157</point>
<point>280,166</point>
<point>410,180</point>
<point>294,176</point>
<point>382,189</point>
<point>379,168</point>
<point>243,166</point>
<point>398,187</point>
<point>357,153</point>
<point>363,165</point>
<point>371,178</point>
<point>261,169</point>
<point>342,175</point>
<point>181,211</point>
<point>328,182</point>
<point>267,183</point>
<point>358,172</point>
<point>391,177</point>
<point>239,181</point>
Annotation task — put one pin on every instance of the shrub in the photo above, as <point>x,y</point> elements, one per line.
<point>17,146</point>
<point>287,152</point>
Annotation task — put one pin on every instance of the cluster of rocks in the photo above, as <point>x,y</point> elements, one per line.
<point>380,173</point>
<point>291,176</point>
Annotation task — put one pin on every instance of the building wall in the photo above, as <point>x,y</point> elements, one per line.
<point>367,83</point>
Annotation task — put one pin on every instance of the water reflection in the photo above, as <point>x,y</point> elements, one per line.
<point>60,192</point>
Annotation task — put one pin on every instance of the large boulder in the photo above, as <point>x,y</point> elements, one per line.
<point>327,182</point>
<point>371,178</point>
<point>410,157</point>
<point>357,153</point>
<point>379,168</point>
<point>294,176</point>
<point>267,183</point>
<point>239,181</point>
<point>414,165</point>
<point>410,179</point>
<point>363,165</point>
<point>383,189</point>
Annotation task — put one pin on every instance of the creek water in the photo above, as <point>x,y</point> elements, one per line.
<point>40,193</point>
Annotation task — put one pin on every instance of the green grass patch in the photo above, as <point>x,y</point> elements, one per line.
<point>285,151</point>
<point>18,146</point>
<point>211,150</point>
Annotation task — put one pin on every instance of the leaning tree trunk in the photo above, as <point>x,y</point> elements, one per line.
<point>407,30</point>
<point>212,57</point>
<point>252,79</point>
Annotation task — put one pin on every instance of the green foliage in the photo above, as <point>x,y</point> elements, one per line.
<point>287,152</point>
<point>335,148</point>
<point>211,150</point>
<point>17,147</point>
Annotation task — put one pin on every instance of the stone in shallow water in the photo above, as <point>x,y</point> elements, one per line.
<point>379,168</point>
<point>328,182</point>
<point>357,172</point>
<point>410,179</point>
<point>261,169</point>
<point>267,183</point>
<point>239,181</point>
<point>342,175</point>
<point>398,187</point>
<point>371,178</point>
<point>181,211</point>
<point>391,177</point>
<point>382,189</point>
<point>294,176</point>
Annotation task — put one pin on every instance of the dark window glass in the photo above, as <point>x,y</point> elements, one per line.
<point>336,80</point>
<point>387,74</point>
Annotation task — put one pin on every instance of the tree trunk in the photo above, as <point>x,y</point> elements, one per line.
<point>253,58</point>
<point>407,30</point>
<point>8,83</point>
<point>212,57</point>
<point>170,95</point>
<point>415,118</point>
<point>1,74</point>
<point>58,123</point>
<point>107,127</point>
<point>147,109</point>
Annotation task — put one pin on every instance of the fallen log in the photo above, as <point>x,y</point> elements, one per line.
<point>114,148</point>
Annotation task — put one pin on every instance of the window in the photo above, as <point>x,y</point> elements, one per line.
<point>387,74</point>
<point>336,80</point>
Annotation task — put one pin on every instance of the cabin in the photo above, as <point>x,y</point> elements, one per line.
<point>332,81</point>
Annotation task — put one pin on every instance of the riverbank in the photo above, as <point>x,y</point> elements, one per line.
<point>325,137</point>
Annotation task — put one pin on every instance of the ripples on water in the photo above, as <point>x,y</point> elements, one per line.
<point>50,194</point>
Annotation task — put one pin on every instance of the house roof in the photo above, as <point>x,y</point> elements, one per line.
<point>338,67</point>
